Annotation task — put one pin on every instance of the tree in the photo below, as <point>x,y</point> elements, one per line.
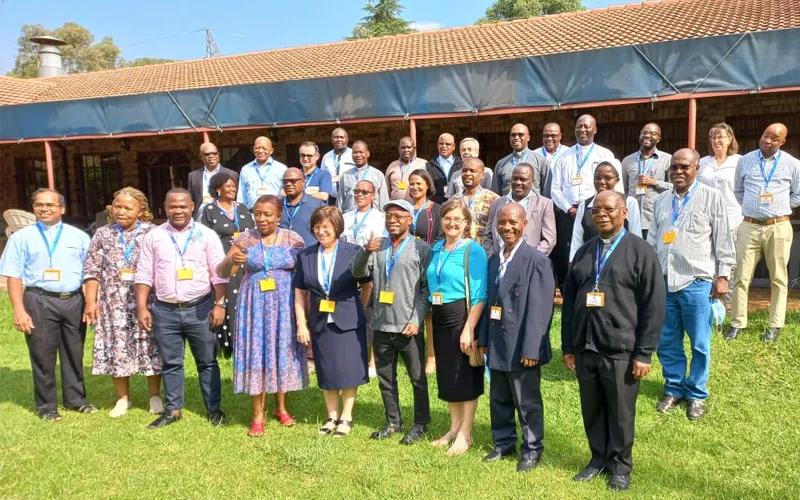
<point>383,18</point>
<point>506,10</point>
<point>144,61</point>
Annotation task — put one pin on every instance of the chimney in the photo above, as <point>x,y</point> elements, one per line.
<point>49,56</point>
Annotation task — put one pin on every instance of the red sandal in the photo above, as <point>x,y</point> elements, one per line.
<point>284,418</point>
<point>256,429</point>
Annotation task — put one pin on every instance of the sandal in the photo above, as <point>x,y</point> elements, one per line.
<point>326,429</point>
<point>85,409</point>
<point>256,429</point>
<point>284,418</point>
<point>51,416</point>
<point>343,429</point>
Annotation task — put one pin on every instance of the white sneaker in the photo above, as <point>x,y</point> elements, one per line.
<point>120,409</point>
<point>372,372</point>
<point>156,406</point>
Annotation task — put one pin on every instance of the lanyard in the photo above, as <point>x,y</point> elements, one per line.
<point>336,160</point>
<point>403,167</point>
<point>582,161</point>
<point>290,215</point>
<point>762,161</point>
<point>185,245</point>
<point>677,211</point>
<point>235,213</point>
<point>392,256</point>
<point>515,160</point>
<point>127,248</point>
<point>266,173</point>
<point>363,174</point>
<point>601,264</point>
<point>50,250</point>
<point>645,170</point>
<point>268,258</point>
<point>416,215</point>
<point>309,178</point>
<point>440,264</point>
<point>357,226</point>
<point>553,157</point>
<point>472,200</point>
<point>326,274</point>
<point>207,176</point>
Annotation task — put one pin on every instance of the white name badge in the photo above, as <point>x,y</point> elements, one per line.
<point>438,299</point>
<point>127,274</point>
<point>641,189</point>
<point>335,178</point>
<point>595,299</point>
<point>262,191</point>
<point>577,180</point>
<point>496,313</point>
<point>207,200</point>
<point>766,199</point>
<point>52,275</point>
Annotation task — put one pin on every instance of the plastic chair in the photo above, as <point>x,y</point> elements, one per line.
<point>17,219</point>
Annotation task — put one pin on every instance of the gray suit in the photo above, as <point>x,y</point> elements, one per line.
<point>540,232</point>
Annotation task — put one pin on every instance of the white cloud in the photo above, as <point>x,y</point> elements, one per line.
<point>426,25</point>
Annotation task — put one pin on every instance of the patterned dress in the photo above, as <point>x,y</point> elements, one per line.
<point>121,347</point>
<point>266,354</point>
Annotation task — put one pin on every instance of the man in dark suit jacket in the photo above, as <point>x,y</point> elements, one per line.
<point>444,166</point>
<point>514,333</point>
<point>198,179</point>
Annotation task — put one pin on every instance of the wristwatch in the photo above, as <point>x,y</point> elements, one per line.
<point>222,303</point>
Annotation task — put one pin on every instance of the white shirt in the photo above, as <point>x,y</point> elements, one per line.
<point>551,157</point>
<point>524,201</point>
<point>503,262</point>
<point>569,188</point>
<point>329,162</point>
<point>374,223</point>
<point>207,177</point>
<point>634,224</point>
<point>321,274</point>
<point>722,178</point>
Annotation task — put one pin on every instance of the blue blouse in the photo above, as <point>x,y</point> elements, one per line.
<point>450,279</point>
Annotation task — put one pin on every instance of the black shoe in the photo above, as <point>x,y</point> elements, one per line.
<point>164,420</point>
<point>415,434</point>
<point>387,432</point>
<point>667,402</point>
<point>495,455</point>
<point>771,334</point>
<point>50,416</point>
<point>733,333</point>
<point>619,482</point>
<point>588,473</point>
<point>217,418</point>
<point>695,409</point>
<point>87,409</point>
<point>527,465</point>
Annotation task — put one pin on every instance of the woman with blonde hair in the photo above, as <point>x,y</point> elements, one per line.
<point>718,169</point>
<point>121,347</point>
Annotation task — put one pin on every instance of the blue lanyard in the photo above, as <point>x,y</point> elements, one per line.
<point>552,159</point>
<point>762,161</point>
<point>403,167</point>
<point>50,250</point>
<point>356,225</point>
<point>291,215</point>
<point>583,160</point>
<point>235,213</point>
<point>601,264</point>
<point>472,200</point>
<point>440,264</point>
<point>677,211</point>
<point>363,175</point>
<point>336,160</point>
<point>310,177</point>
<point>642,169</point>
<point>266,173</point>
<point>326,274</point>
<point>392,256</point>
<point>127,248</point>
<point>185,245</point>
<point>207,176</point>
<point>268,258</point>
<point>515,161</point>
<point>416,215</point>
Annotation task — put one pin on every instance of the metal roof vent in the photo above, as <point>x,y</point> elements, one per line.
<point>49,56</point>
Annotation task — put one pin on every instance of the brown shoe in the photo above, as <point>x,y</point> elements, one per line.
<point>667,403</point>
<point>695,409</point>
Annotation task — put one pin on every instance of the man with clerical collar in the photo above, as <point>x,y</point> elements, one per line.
<point>297,207</point>
<point>262,176</point>
<point>646,173</point>
<point>767,185</point>
<point>338,160</point>
<point>551,149</point>
<point>514,335</point>
<point>540,232</point>
<point>615,279</point>
<point>398,171</point>
<point>199,179</point>
<point>444,166</point>
<point>178,261</point>
<point>362,171</point>
<point>47,258</point>
<point>469,147</point>
<point>519,137</point>
<point>692,239</point>
<point>477,198</point>
<point>397,266</point>
<point>318,183</point>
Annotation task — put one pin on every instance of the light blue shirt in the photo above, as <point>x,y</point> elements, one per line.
<point>254,177</point>
<point>784,186</point>
<point>26,257</point>
<point>450,279</point>
<point>447,165</point>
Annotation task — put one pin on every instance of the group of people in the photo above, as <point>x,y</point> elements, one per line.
<point>444,263</point>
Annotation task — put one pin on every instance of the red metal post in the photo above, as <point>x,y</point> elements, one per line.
<point>412,130</point>
<point>692,122</point>
<point>48,157</point>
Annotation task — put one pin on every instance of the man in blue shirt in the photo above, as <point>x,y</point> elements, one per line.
<point>262,176</point>
<point>318,181</point>
<point>47,259</point>
<point>297,207</point>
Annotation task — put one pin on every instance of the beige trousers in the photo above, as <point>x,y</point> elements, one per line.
<point>774,243</point>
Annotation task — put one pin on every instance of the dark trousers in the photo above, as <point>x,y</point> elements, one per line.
<point>560,254</point>
<point>172,327</point>
<point>388,346</point>
<point>608,404</point>
<point>520,391</point>
<point>57,330</point>
<point>644,234</point>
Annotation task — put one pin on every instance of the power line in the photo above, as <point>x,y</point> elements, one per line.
<point>212,49</point>
<point>161,39</point>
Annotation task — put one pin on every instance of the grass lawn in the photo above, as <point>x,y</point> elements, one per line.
<point>747,447</point>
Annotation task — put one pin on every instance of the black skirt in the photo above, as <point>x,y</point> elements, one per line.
<point>457,380</point>
<point>340,357</point>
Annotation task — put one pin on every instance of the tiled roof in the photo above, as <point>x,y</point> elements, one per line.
<point>594,29</point>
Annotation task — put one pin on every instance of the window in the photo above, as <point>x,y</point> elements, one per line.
<point>31,174</point>
<point>102,176</point>
<point>235,157</point>
<point>160,171</point>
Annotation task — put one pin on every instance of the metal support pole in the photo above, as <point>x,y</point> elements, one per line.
<point>205,137</point>
<point>412,130</point>
<point>692,122</point>
<point>48,157</point>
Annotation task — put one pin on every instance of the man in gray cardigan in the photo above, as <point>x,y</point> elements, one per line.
<point>400,300</point>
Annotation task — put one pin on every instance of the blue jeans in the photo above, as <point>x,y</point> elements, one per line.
<point>688,310</point>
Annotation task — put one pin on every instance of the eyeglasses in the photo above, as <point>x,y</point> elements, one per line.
<point>211,153</point>
<point>453,220</point>
<point>49,206</point>
<point>397,217</point>
<point>681,167</point>
<point>362,192</point>
<point>292,181</point>
<point>648,133</point>
<point>517,134</point>
<point>307,156</point>
<point>605,210</point>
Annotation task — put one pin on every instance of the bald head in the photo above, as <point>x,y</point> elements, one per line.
<point>511,222</point>
<point>585,130</point>
<point>773,138</point>
<point>293,183</point>
<point>683,169</point>
<point>209,155</point>
<point>551,137</point>
<point>519,137</point>
<point>446,145</point>
<point>262,149</point>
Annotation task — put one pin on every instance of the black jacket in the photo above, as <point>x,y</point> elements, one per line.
<point>195,185</point>
<point>439,180</point>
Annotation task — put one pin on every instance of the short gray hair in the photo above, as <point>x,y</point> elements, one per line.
<point>61,200</point>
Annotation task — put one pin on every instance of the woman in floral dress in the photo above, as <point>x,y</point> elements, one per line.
<point>267,358</point>
<point>121,347</point>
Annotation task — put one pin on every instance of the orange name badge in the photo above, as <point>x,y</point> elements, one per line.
<point>438,299</point>
<point>51,275</point>
<point>327,306</point>
<point>577,180</point>
<point>595,299</point>
<point>267,284</point>
<point>496,313</point>
<point>236,234</point>
<point>766,199</point>
<point>641,189</point>
<point>386,297</point>
<point>185,273</point>
<point>402,185</point>
<point>127,274</point>
<point>669,237</point>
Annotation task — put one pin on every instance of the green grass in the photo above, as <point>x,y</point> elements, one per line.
<point>747,447</point>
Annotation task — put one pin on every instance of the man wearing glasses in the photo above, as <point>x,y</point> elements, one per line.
<point>263,176</point>
<point>551,149</point>
<point>443,167</point>
<point>297,207</point>
<point>691,236</point>
<point>362,172</point>
<point>318,181</point>
<point>646,173</point>
<point>47,259</point>
<point>519,138</point>
<point>199,179</point>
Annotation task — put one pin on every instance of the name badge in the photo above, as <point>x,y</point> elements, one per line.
<point>766,199</point>
<point>185,273</point>
<point>327,306</point>
<point>236,234</point>
<point>595,299</point>
<point>335,178</point>
<point>496,313</point>
<point>402,185</point>
<point>207,199</point>
<point>438,299</point>
<point>669,237</point>
<point>577,180</point>
<point>52,275</point>
<point>262,191</point>
<point>386,297</point>
<point>312,190</point>
<point>641,189</point>
<point>267,284</point>
<point>127,274</point>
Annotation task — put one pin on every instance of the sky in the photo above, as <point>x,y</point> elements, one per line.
<point>163,29</point>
